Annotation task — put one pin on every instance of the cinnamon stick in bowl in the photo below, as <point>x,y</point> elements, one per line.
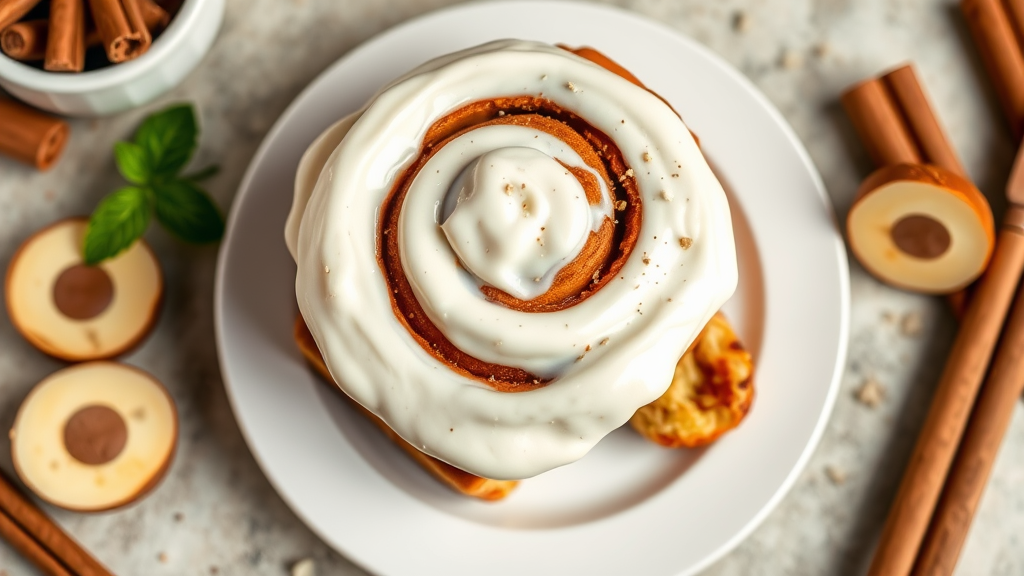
<point>65,45</point>
<point>25,41</point>
<point>13,10</point>
<point>122,28</point>
<point>154,15</point>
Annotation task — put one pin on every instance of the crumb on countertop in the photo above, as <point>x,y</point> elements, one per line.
<point>304,567</point>
<point>870,393</point>
<point>791,59</point>
<point>741,21</point>
<point>911,324</point>
<point>835,475</point>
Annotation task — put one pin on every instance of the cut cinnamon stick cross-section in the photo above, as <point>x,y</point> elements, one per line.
<point>25,41</point>
<point>122,28</point>
<point>918,221</point>
<point>76,312</point>
<point>30,136</point>
<point>65,44</point>
<point>921,228</point>
<point>94,436</point>
<point>13,10</point>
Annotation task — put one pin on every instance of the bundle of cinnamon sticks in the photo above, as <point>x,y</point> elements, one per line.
<point>39,539</point>
<point>983,379</point>
<point>58,32</point>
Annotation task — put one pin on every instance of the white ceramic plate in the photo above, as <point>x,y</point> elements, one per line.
<point>629,507</point>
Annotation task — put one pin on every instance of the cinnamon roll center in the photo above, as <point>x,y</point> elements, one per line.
<point>591,252</point>
<point>515,217</point>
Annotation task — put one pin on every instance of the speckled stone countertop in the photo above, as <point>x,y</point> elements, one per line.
<point>216,513</point>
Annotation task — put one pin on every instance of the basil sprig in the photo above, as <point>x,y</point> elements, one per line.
<point>152,163</point>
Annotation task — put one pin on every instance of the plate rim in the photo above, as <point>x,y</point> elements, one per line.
<point>246,185</point>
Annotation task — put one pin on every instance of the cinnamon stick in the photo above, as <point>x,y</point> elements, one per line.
<point>155,17</point>
<point>13,10</point>
<point>30,136</point>
<point>894,118</point>
<point>65,44</point>
<point>936,446</point>
<point>34,552</point>
<point>25,41</point>
<point>933,144</point>
<point>1015,12</point>
<point>879,124</point>
<point>978,451</point>
<point>121,28</point>
<point>1001,53</point>
<point>43,530</point>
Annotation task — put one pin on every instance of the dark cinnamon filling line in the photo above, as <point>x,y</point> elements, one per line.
<point>601,258</point>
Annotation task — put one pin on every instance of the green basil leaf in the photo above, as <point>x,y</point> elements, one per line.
<point>118,221</point>
<point>132,162</point>
<point>169,138</point>
<point>188,212</point>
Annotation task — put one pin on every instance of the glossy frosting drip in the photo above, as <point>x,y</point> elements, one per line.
<point>602,351</point>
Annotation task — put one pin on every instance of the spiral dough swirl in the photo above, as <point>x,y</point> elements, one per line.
<point>506,251</point>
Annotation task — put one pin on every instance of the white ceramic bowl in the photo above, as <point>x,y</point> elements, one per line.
<point>115,88</point>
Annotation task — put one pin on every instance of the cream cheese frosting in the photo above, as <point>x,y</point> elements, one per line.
<point>605,356</point>
<point>518,216</point>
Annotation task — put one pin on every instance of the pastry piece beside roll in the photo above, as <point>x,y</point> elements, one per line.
<point>711,392</point>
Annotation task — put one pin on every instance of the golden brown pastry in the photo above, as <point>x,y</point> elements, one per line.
<point>710,394</point>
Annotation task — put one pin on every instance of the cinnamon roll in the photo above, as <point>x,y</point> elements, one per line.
<point>506,251</point>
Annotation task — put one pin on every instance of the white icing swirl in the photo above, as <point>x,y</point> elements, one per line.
<point>519,216</point>
<point>607,355</point>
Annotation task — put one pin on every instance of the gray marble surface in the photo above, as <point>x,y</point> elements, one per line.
<point>216,513</point>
